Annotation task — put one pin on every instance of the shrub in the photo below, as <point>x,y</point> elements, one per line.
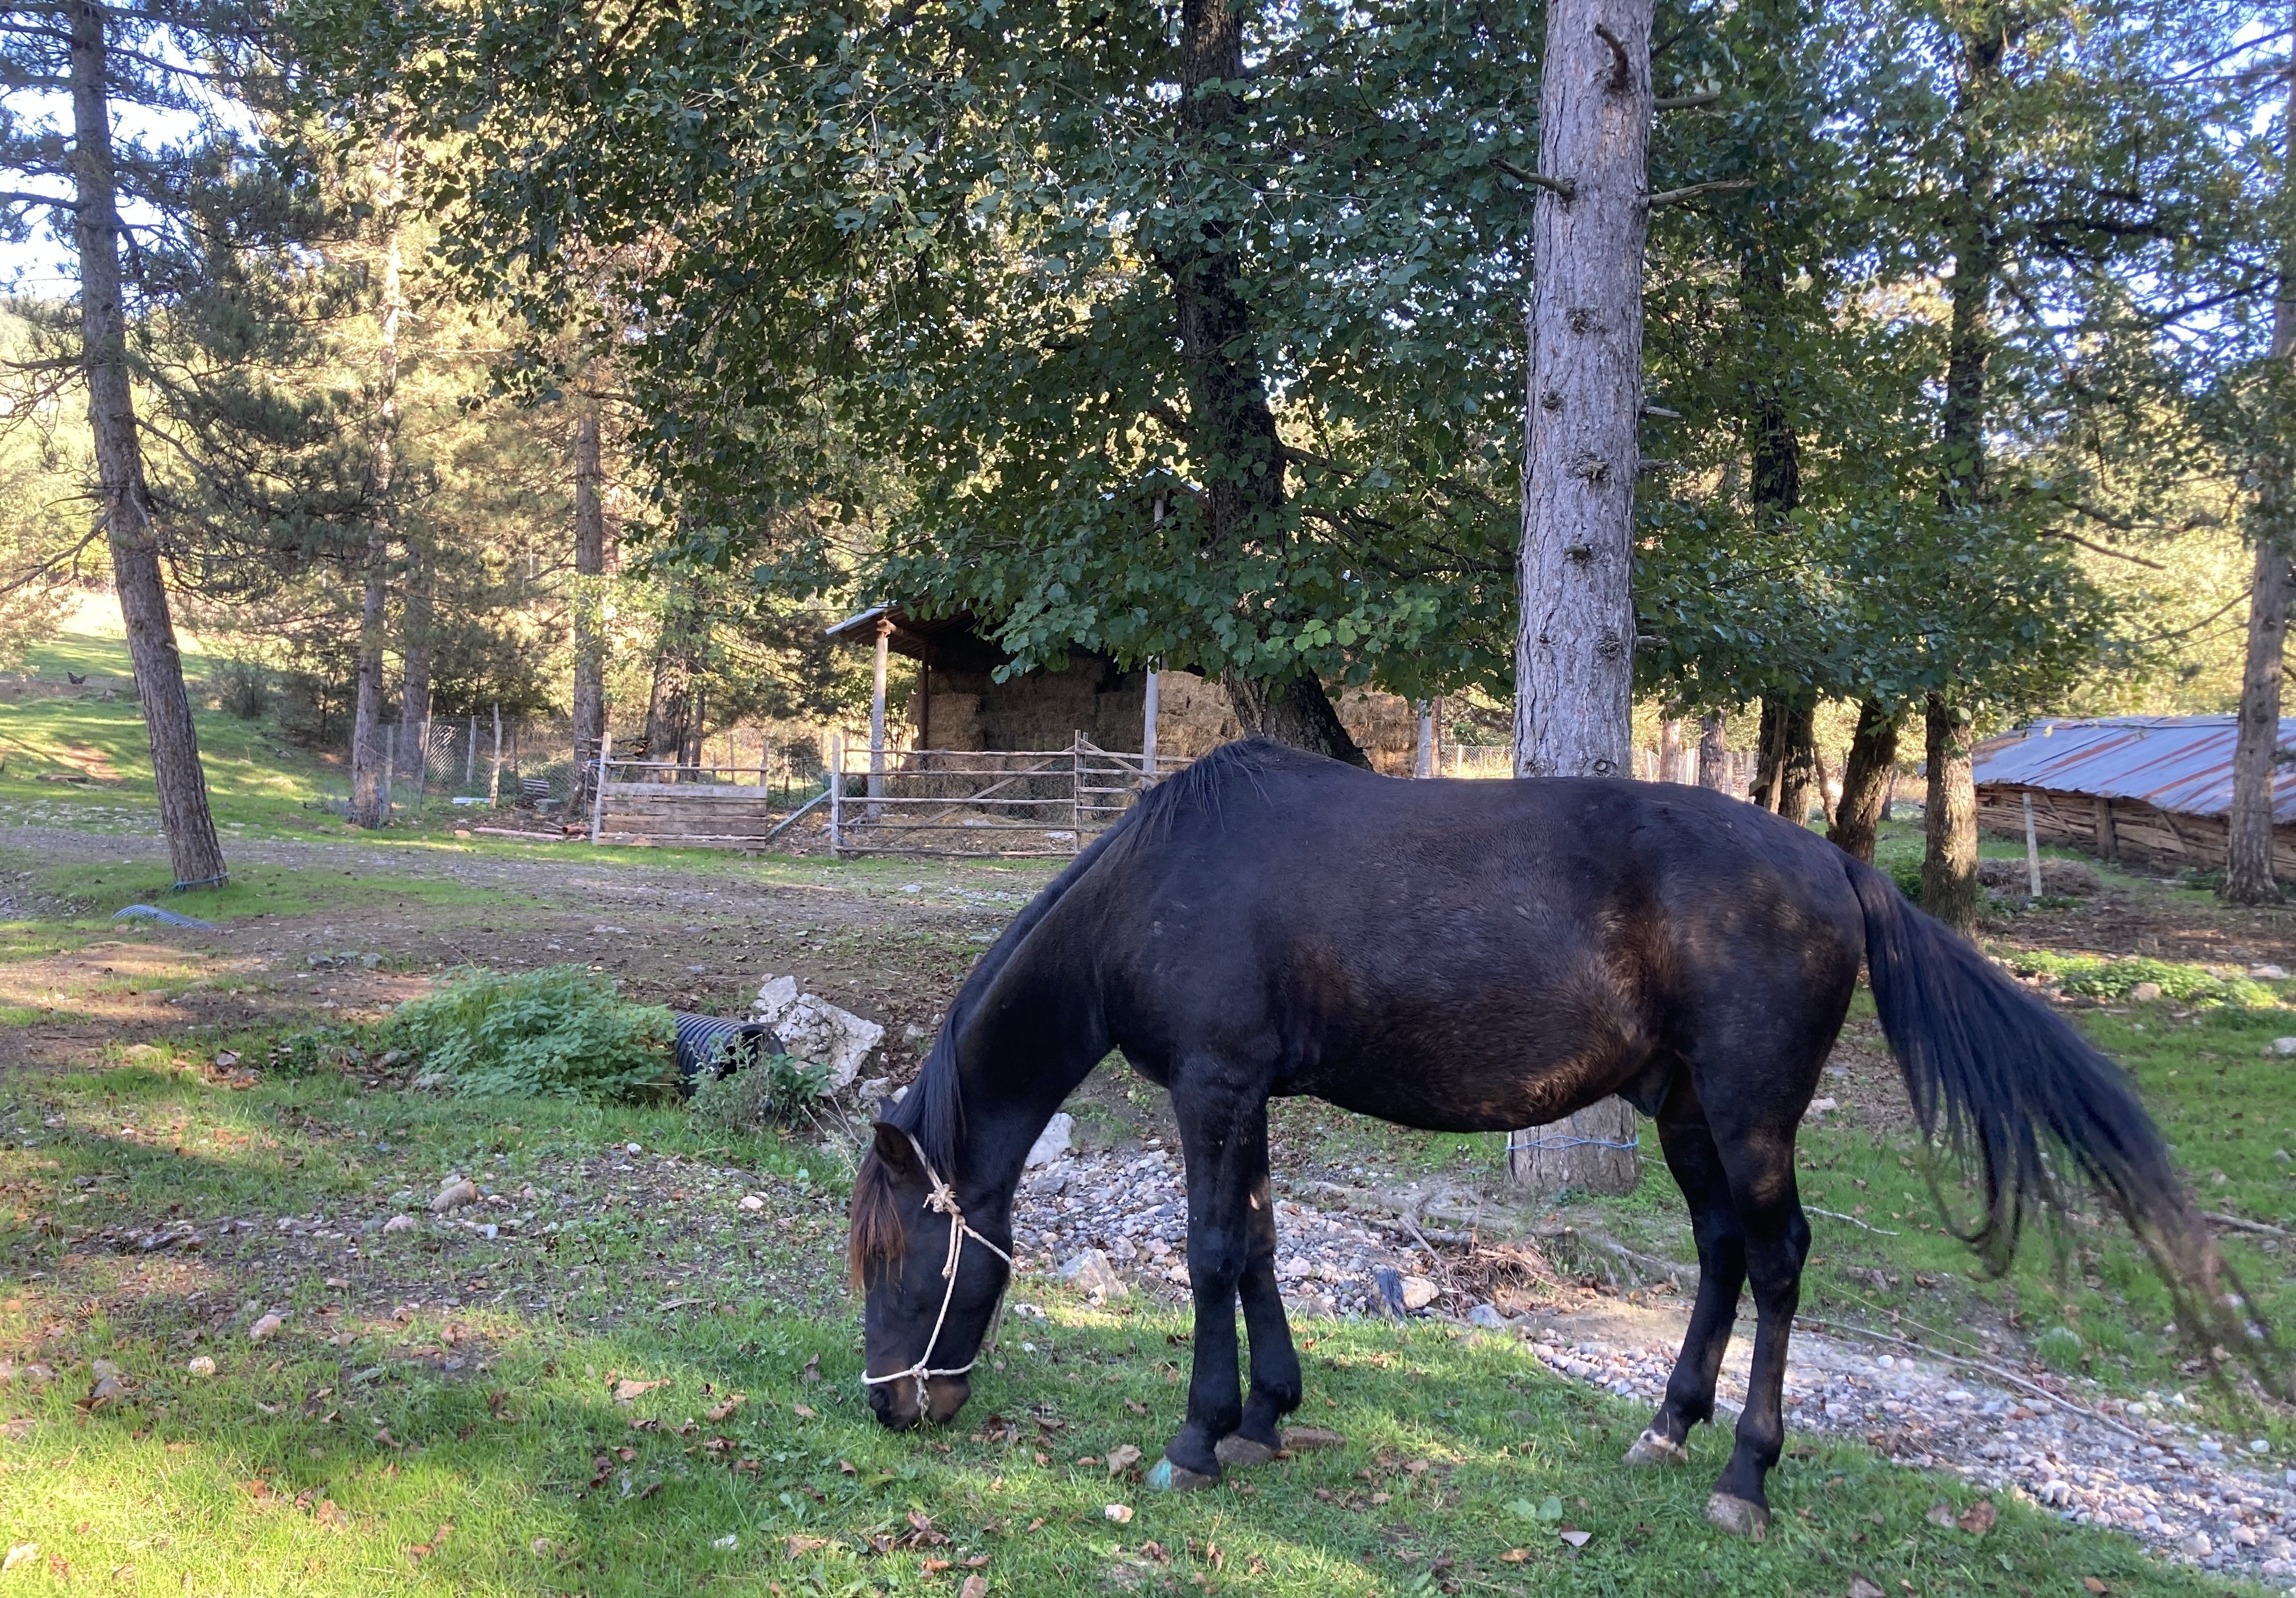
<point>560,1032</point>
<point>777,1090</point>
<point>2100,979</point>
<point>242,688</point>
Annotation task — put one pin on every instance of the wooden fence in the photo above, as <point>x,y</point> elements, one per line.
<point>1009,803</point>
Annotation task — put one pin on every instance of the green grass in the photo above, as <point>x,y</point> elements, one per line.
<point>222,1484</point>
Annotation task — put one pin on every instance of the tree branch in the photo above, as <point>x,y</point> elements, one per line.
<point>1683,102</point>
<point>1562,188</point>
<point>1720,186</point>
<point>19,197</point>
<point>2103,549</point>
<point>1622,72</point>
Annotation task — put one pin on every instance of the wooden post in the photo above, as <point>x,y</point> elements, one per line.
<point>494,777</point>
<point>877,723</point>
<point>2032,846</point>
<point>2108,841</point>
<point>471,759</point>
<point>1076,790</point>
<point>1151,695</point>
<point>837,793</point>
<point>1423,764</point>
<point>598,797</point>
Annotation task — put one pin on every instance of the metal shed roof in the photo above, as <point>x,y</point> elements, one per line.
<point>2180,762</point>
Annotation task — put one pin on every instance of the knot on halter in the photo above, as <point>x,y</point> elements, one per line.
<point>941,1198</point>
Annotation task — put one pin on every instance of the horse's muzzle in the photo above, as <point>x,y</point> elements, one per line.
<point>895,1402</point>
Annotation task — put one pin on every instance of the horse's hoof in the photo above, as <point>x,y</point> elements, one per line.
<point>1169,1478</point>
<point>1237,1449</point>
<point>1737,1517</point>
<point>1651,1449</point>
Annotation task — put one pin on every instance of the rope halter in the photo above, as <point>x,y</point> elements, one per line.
<point>943,1198</point>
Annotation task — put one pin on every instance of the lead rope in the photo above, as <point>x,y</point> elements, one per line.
<point>943,1198</point>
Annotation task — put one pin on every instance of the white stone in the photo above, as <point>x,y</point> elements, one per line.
<point>2284,1045</point>
<point>1052,1142</point>
<point>399,1223</point>
<point>818,1032</point>
<point>2270,973</point>
<point>201,1365</point>
<point>1418,1293</point>
<point>2145,993</point>
<point>1092,1274</point>
<point>1819,1108</point>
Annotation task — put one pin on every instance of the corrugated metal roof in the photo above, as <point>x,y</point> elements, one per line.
<point>2180,762</point>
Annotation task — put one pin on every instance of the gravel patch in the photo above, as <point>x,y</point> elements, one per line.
<point>2137,1466</point>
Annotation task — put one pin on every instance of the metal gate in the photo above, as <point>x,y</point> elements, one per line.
<point>1012,804</point>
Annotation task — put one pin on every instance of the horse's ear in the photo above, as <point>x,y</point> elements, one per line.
<point>893,1149</point>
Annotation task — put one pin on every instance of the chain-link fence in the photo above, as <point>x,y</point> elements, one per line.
<point>473,760</point>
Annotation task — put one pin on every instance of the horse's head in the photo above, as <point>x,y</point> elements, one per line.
<point>930,1282</point>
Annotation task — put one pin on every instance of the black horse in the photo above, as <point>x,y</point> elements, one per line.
<point>1466,957</point>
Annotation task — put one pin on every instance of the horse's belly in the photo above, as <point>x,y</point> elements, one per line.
<point>1435,1099</point>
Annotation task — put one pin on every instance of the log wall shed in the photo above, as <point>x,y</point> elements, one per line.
<point>2156,790</point>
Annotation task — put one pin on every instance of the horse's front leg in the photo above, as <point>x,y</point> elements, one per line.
<point>1224,1136</point>
<point>1274,1389</point>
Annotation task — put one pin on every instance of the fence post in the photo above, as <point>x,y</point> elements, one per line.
<point>598,798</point>
<point>877,723</point>
<point>2032,849</point>
<point>494,780</point>
<point>836,793</point>
<point>470,761</point>
<point>1075,791</point>
<point>1148,730</point>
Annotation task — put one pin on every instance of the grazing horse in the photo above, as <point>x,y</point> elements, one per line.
<point>1463,956</point>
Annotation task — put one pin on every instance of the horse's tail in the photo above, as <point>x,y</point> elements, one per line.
<point>2029,1101</point>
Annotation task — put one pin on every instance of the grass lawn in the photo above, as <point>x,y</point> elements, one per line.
<point>439,1413</point>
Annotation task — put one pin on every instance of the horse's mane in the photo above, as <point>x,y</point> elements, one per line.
<point>932,1110</point>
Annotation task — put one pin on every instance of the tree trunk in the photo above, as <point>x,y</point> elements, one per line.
<point>678,650</point>
<point>416,645</point>
<point>1713,752</point>
<point>1575,644</point>
<point>1866,781</point>
<point>1770,753</point>
<point>1294,711</point>
<point>369,803</point>
<point>1949,862</point>
<point>589,603</point>
<point>1949,859</point>
<point>2248,847</point>
<point>1234,436</point>
<point>1800,780</point>
<point>123,496</point>
<point>1675,759</point>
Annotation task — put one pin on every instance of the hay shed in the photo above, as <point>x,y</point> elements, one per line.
<point>2156,790</point>
<point>960,704</point>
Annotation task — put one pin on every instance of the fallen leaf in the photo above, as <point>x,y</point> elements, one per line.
<point>1978,1518</point>
<point>2094,1585</point>
<point>1859,1587</point>
<point>1123,1458</point>
<point>628,1388</point>
<point>721,1411</point>
<point>22,1553</point>
<point>812,1372</point>
<point>266,1326</point>
<point>975,1587</point>
<point>1515,1556</point>
<point>1580,1539</point>
<point>803,1412</point>
<point>1939,1514</point>
<point>1121,1513</point>
<point>933,1566</point>
<point>1303,1439</point>
<point>802,1544</point>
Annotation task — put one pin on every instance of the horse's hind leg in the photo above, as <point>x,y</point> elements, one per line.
<point>1698,1170</point>
<point>1761,1162</point>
